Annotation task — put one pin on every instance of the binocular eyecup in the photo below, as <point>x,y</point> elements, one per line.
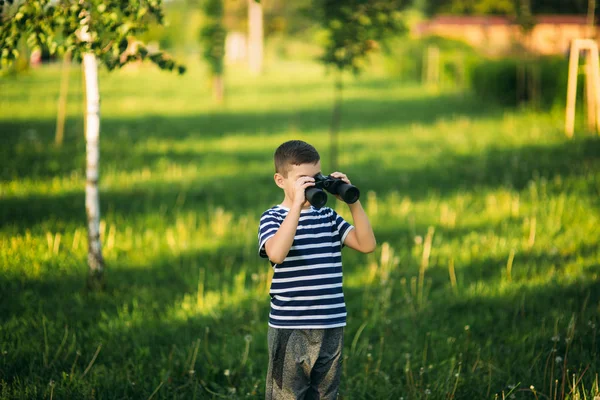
<point>318,198</point>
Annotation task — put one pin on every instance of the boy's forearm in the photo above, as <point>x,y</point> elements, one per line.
<point>362,226</point>
<point>279,245</point>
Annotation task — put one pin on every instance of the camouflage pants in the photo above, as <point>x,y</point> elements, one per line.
<point>304,363</point>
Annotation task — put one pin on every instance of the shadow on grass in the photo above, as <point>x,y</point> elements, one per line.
<point>27,146</point>
<point>146,338</point>
<point>448,174</point>
<point>500,337</point>
<point>512,168</point>
<point>149,333</point>
<point>168,278</point>
<point>147,323</point>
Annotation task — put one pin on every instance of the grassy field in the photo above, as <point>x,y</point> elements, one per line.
<point>485,282</point>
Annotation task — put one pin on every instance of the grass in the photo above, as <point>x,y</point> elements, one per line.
<point>484,284</point>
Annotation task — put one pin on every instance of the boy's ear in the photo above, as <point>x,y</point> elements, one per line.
<point>279,179</point>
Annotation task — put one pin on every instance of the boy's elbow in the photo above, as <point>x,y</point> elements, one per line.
<point>370,247</point>
<point>276,260</point>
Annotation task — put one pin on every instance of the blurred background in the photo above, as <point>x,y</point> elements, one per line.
<point>449,115</point>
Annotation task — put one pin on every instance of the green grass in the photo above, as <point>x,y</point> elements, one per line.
<point>508,206</point>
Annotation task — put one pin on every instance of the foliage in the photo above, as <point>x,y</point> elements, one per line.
<point>184,181</point>
<point>212,35</point>
<point>104,28</point>
<point>352,29</point>
<point>505,7</point>
<point>512,81</point>
<point>405,58</point>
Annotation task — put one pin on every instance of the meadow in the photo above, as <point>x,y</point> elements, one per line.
<point>484,284</point>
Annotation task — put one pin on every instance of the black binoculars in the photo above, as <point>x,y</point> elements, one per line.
<point>318,198</point>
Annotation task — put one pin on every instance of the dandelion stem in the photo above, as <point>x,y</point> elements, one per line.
<point>92,362</point>
<point>156,390</point>
<point>194,356</point>
<point>509,264</point>
<point>452,274</point>
<point>425,262</point>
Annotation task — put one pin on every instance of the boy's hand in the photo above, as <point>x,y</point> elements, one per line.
<point>299,189</point>
<point>344,178</point>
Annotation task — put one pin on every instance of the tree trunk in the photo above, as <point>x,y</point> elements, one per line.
<point>336,116</point>
<point>255,37</point>
<point>218,88</point>
<point>92,201</point>
<point>62,100</point>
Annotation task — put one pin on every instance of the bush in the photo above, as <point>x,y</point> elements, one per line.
<point>406,57</point>
<point>540,81</point>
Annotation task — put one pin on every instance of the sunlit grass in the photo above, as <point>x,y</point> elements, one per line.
<point>487,223</point>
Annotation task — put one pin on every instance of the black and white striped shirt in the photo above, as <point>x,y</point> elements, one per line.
<point>306,290</point>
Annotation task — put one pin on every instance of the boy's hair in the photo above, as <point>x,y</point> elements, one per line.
<point>294,152</point>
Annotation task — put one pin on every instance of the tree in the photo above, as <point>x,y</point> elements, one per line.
<point>352,30</point>
<point>505,7</point>
<point>212,38</point>
<point>92,31</point>
<point>255,36</point>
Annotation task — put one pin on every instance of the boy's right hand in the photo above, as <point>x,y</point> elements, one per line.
<point>300,187</point>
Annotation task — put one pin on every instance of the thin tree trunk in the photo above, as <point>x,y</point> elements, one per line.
<point>62,100</point>
<point>92,201</point>
<point>255,37</point>
<point>218,88</point>
<point>336,117</point>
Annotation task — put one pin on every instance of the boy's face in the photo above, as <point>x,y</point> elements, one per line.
<point>295,172</point>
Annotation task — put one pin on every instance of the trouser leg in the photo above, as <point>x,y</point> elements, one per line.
<point>292,354</point>
<point>326,373</point>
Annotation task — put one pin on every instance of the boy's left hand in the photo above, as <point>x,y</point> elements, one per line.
<point>343,177</point>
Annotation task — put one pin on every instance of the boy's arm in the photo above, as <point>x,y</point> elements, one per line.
<point>278,246</point>
<point>360,238</point>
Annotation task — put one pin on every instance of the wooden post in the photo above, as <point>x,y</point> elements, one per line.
<point>596,78</point>
<point>590,91</point>
<point>433,66</point>
<point>591,16</point>
<point>592,84</point>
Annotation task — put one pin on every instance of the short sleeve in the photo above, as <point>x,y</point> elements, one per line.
<point>342,226</point>
<point>269,224</point>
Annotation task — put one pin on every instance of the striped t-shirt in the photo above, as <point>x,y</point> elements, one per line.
<point>306,290</point>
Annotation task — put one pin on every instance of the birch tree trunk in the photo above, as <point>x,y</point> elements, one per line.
<point>92,201</point>
<point>255,37</point>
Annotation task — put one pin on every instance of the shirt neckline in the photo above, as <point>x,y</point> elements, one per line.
<point>303,211</point>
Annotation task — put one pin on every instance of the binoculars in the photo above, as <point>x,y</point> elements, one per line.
<point>318,198</point>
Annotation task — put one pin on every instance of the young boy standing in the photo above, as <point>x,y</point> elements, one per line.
<point>304,246</point>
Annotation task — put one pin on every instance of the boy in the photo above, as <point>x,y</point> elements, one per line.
<point>308,312</point>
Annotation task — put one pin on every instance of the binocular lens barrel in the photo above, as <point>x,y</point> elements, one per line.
<point>316,197</point>
<point>349,193</point>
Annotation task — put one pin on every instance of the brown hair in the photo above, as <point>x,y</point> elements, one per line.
<point>294,152</point>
